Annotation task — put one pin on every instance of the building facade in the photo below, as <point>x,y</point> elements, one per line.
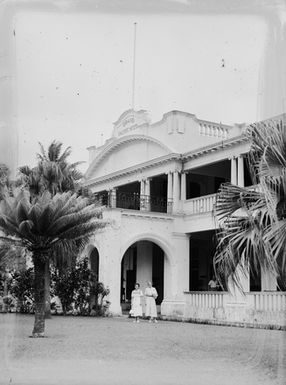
<point>157,184</point>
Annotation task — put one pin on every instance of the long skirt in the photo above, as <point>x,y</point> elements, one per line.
<point>151,309</point>
<point>136,309</point>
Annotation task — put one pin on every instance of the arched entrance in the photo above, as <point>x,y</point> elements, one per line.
<point>94,261</point>
<point>143,261</point>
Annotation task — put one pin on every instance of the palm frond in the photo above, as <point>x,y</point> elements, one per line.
<point>253,223</point>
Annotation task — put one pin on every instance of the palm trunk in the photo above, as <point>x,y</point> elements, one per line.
<point>40,268</point>
<point>47,291</point>
<point>5,296</point>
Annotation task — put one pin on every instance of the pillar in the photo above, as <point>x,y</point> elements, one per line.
<point>176,191</point>
<point>110,257</point>
<point>144,265</point>
<point>142,187</point>
<point>183,186</point>
<point>182,262</point>
<point>233,170</point>
<point>147,194</point>
<point>170,192</point>
<point>112,199</point>
<point>142,195</point>
<point>240,171</point>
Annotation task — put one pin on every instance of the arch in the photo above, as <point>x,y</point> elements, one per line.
<point>111,146</point>
<point>158,240</point>
<point>93,258</point>
<point>143,266</point>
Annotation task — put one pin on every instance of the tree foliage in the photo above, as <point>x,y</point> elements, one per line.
<point>252,221</point>
<point>44,224</point>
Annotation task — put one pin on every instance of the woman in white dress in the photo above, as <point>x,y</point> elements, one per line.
<point>151,296</point>
<point>136,306</point>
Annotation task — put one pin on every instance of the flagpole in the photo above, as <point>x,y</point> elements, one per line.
<point>134,67</point>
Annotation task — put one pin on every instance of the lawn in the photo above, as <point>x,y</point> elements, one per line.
<point>84,350</point>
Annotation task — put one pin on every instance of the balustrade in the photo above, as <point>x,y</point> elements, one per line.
<point>135,201</point>
<point>268,301</point>
<point>259,301</point>
<point>210,129</point>
<point>200,205</point>
<point>205,300</point>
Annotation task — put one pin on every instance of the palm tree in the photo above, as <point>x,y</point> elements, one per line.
<point>4,179</point>
<point>58,174</point>
<point>252,221</point>
<point>42,225</point>
<point>55,174</point>
<point>53,171</point>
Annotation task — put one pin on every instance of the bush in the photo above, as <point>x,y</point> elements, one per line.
<point>76,287</point>
<point>22,289</point>
<point>79,291</point>
<point>64,285</point>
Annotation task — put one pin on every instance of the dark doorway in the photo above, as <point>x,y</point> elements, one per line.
<point>142,262</point>
<point>281,279</point>
<point>128,196</point>
<point>94,262</point>
<point>128,273</point>
<point>158,193</point>
<point>202,251</point>
<point>206,180</point>
<point>247,174</point>
<point>158,271</point>
<point>254,277</point>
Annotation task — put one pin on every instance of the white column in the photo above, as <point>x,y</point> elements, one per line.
<point>144,265</point>
<point>147,194</point>
<point>142,187</point>
<point>233,170</point>
<point>170,192</point>
<point>240,171</point>
<point>176,191</point>
<point>142,195</point>
<point>113,197</point>
<point>183,186</point>
<point>182,262</point>
<point>110,263</point>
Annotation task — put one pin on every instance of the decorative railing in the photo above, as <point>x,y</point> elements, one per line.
<point>259,301</point>
<point>200,205</point>
<point>135,201</point>
<point>205,299</point>
<point>211,129</point>
<point>268,301</point>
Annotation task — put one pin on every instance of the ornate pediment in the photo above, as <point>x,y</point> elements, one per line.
<point>129,120</point>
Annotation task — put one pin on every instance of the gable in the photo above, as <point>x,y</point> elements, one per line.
<point>125,152</point>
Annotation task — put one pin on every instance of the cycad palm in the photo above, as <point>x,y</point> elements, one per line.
<point>253,220</point>
<point>55,174</point>
<point>41,226</point>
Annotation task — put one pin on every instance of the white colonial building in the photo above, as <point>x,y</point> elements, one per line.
<point>157,183</point>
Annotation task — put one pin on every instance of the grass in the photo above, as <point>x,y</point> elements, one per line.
<point>85,350</point>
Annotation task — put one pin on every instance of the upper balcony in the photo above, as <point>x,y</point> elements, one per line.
<point>136,201</point>
<point>181,193</point>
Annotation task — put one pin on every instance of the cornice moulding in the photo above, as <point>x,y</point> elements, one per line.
<point>133,169</point>
<point>168,158</point>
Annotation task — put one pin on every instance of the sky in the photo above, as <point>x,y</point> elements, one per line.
<point>74,68</point>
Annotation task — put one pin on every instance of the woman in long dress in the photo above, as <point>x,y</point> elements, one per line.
<point>151,296</point>
<point>136,306</point>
